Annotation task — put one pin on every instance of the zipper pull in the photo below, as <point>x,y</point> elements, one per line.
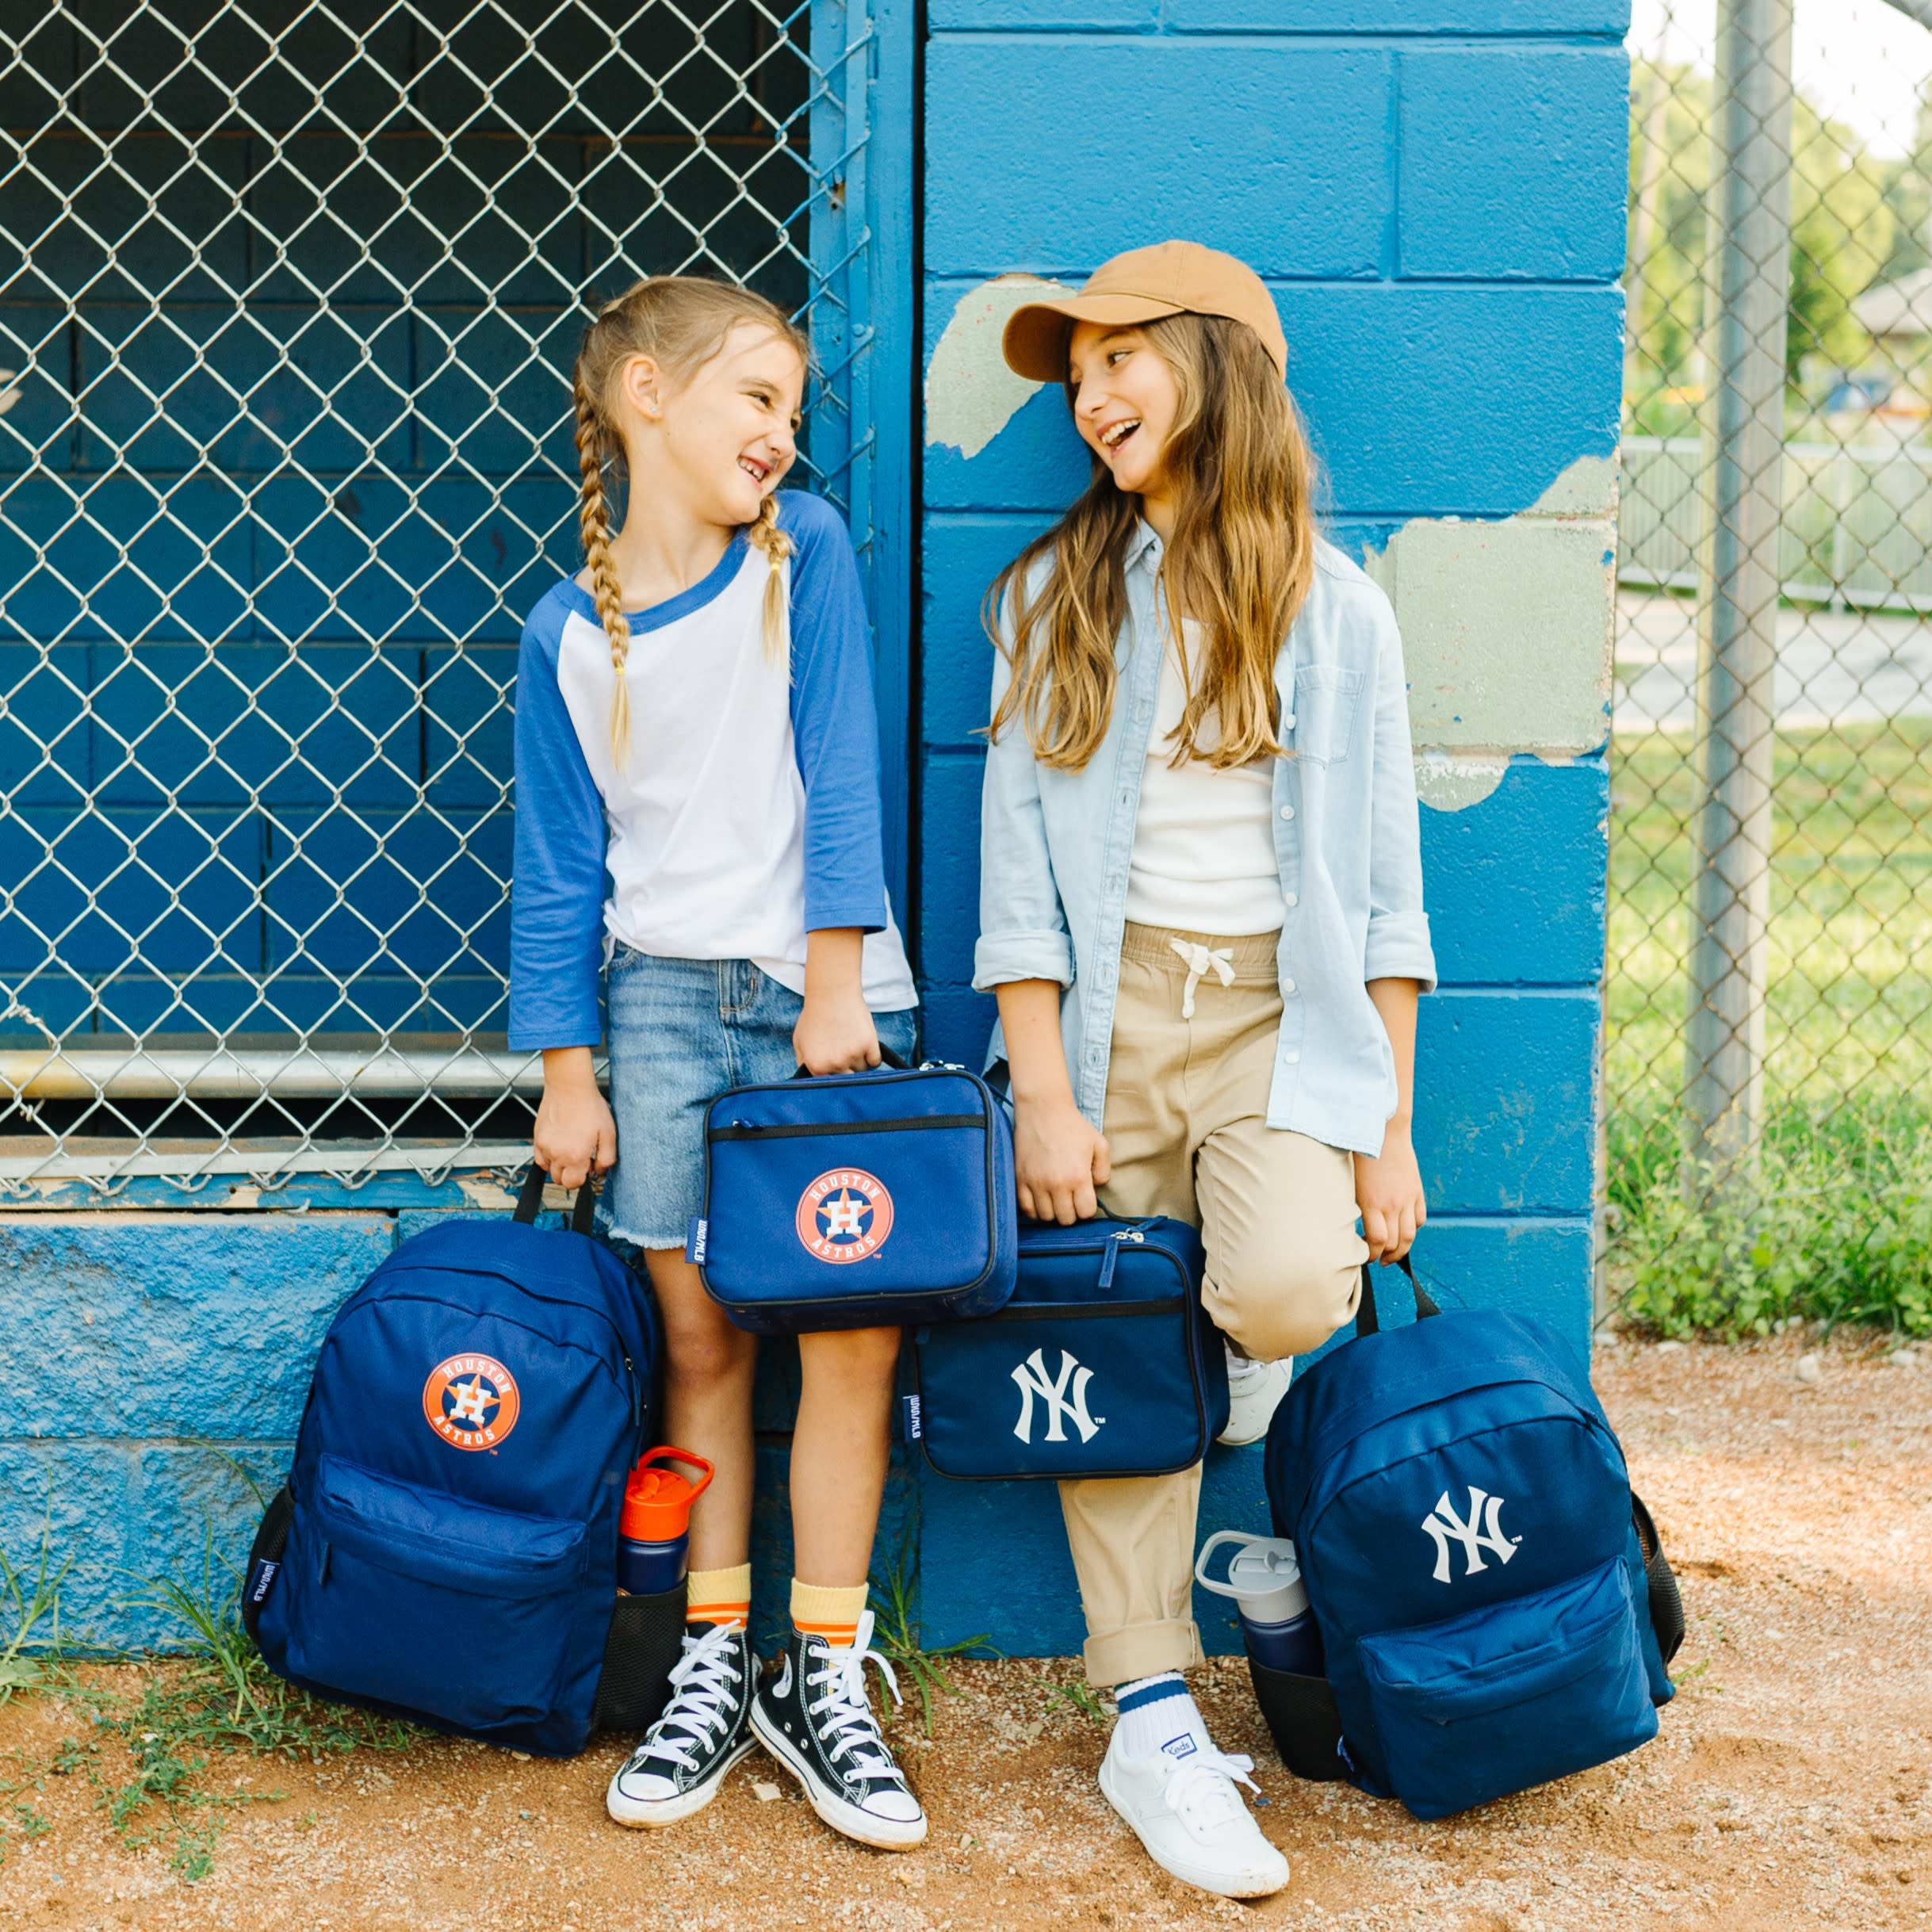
<point>1109,1256</point>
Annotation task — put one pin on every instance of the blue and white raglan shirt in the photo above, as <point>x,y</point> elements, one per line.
<point>747,812</point>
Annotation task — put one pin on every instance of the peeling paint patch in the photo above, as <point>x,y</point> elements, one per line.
<point>1449,784</point>
<point>480,1191</point>
<point>1507,628</point>
<point>970,393</point>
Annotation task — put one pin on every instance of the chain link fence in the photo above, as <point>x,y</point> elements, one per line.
<point>289,298</point>
<point>1770,960</point>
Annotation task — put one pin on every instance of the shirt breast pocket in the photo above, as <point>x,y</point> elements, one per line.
<point>1326,697</point>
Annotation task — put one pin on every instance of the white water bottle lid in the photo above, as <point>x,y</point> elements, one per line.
<point>1264,1578</point>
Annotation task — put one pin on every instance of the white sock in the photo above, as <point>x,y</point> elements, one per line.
<point>1157,1715</point>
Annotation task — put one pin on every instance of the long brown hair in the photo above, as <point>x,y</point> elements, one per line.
<point>1240,564</point>
<point>680,322</point>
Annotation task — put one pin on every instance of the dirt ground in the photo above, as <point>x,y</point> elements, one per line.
<point>1789,1784</point>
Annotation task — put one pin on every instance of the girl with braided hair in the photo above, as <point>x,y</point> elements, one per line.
<point>697,823</point>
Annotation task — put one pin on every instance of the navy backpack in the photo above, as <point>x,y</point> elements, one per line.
<point>1493,1607</point>
<point>445,1548</point>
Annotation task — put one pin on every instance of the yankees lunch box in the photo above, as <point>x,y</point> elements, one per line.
<point>1103,1363</point>
<point>857,1200</point>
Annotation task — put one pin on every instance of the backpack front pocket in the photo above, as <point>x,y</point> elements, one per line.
<point>1511,1695</point>
<point>422,1600</point>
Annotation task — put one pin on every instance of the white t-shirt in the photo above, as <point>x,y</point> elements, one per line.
<point>706,852</point>
<point>1204,839</point>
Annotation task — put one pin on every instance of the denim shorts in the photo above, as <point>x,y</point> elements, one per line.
<point>681,1032</point>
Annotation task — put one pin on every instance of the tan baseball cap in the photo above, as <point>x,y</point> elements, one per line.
<point>1171,278</point>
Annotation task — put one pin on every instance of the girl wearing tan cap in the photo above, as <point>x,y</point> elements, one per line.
<point>1201,910</point>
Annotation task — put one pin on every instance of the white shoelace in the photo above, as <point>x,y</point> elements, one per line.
<point>1201,960</point>
<point>701,1699</point>
<point>1200,1789</point>
<point>844,1716</point>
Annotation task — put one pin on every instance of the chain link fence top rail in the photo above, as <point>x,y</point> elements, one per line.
<point>292,294</point>
<point>1771,914</point>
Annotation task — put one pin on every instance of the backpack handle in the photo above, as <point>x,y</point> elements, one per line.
<point>582,1213</point>
<point>887,1058</point>
<point>1368,1322</point>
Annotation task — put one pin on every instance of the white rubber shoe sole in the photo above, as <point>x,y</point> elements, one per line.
<point>646,1814</point>
<point>880,1834</point>
<point>1200,1869</point>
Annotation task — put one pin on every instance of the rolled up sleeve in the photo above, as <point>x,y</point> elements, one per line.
<point>1398,945</point>
<point>1022,929</point>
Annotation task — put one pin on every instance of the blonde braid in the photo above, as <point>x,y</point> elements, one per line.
<point>777,546</point>
<point>593,519</point>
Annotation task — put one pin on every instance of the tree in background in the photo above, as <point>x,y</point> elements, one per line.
<point>1848,211</point>
<point>1841,231</point>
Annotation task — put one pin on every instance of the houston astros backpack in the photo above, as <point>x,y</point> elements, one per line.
<point>445,1548</point>
<point>1493,1609</point>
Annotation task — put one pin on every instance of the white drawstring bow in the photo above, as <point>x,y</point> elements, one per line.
<point>1201,960</point>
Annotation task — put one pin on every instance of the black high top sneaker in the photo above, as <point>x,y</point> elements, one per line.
<point>682,1759</point>
<point>812,1715</point>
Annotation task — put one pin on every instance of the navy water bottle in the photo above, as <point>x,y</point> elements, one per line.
<point>654,1530</point>
<point>1265,1581</point>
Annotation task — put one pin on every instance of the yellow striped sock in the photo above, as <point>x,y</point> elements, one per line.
<point>830,1611</point>
<point>719,1596</point>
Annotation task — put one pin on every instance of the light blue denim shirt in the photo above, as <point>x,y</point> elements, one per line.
<point>1055,848</point>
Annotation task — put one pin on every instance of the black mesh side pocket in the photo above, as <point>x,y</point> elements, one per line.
<point>647,1634</point>
<point>1302,1719</point>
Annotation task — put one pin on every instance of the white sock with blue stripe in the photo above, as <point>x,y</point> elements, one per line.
<point>1158,1716</point>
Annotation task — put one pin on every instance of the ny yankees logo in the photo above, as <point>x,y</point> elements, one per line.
<point>1033,1379</point>
<point>470,1401</point>
<point>844,1216</point>
<point>1479,1531</point>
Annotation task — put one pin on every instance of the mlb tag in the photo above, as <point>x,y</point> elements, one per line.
<point>913,1432</point>
<point>695,1240</point>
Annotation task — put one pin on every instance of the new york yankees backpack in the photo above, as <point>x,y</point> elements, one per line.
<point>857,1200</point>
<point>1494,1608</point>
<point>445,1548</point>
<point>1103,1363</point>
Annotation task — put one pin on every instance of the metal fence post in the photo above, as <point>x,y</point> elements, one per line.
<point>1746,296</point>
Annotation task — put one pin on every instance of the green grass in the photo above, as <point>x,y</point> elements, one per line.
<point>148,1757</point>
<point>1850,953</point>
<point>1836,1225</point>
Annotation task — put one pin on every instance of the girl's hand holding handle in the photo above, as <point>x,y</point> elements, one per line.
<point>1060,1159</point>
<point>576,1136</point>
<point>835,1033</point>
<point>1388,1190</point>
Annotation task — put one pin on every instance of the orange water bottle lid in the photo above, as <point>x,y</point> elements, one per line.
<point>657,1502</point>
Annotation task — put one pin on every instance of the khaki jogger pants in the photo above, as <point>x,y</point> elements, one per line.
<point>1188,1134</point>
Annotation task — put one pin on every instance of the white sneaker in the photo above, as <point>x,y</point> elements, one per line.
<point>1255,1390</point>
<point>1194,1823</point>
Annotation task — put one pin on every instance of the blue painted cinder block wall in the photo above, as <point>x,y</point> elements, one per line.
<point>1434,191</point>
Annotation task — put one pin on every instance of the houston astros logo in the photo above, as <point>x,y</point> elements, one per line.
<point>845,1215</point>
<point>470,1401</point>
